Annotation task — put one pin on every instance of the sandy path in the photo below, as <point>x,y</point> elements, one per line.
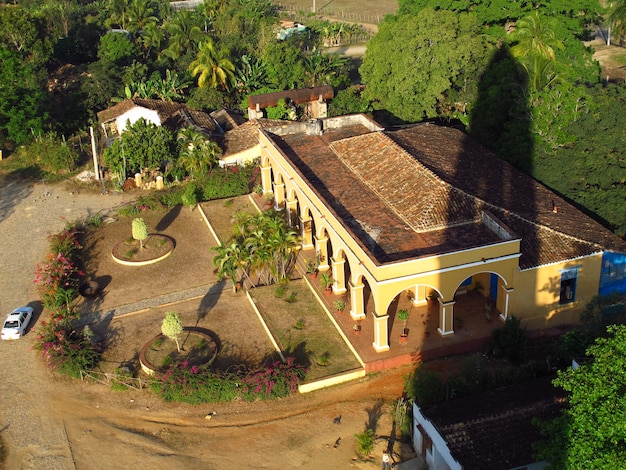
<point>54,424</point>
<point>34,437</point>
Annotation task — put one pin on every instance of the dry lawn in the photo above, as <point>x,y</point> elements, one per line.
<point>309,341</point>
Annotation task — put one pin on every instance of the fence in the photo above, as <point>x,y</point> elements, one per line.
<point>348,16</point>
<point>109,379</point>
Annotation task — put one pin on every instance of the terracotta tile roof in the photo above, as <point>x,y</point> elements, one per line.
<point>387,234</point>
<point>421,190</point>
<point>494,429</point>
<point>164,108</point>
<point>200,120</point>
<point>517,199</point>
<point>416,195</point>
<point>299,96</point>
<point>228,119</point>
<point>246,135</point>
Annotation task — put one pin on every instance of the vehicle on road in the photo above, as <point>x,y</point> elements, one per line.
<point>17,321</point>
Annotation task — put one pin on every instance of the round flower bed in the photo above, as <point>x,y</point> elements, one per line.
<point>155,248</point>
<point>198,348</point>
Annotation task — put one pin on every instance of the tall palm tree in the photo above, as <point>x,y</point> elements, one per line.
<point>184,34</point>
<point>140,14</point>
<point>118,13</point>
<point>212,67</point>
<point>616,19</point>
<point>535,49</point>
<point>198,154</point>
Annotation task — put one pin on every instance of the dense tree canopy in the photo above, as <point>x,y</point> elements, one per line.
<point>425,65</point>
<point>591,432</point>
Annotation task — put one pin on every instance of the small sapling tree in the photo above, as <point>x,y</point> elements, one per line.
<point>172,327</point>
<point>140,230</point>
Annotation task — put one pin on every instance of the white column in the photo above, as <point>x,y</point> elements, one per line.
<point>357,310</point>
<point>505,311</point>
<point>446,316</point>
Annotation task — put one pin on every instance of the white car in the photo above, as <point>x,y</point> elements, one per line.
<point>15,325</point>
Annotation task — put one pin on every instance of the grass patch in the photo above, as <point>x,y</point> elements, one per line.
<point>220,214</point>
<point>306,344</point>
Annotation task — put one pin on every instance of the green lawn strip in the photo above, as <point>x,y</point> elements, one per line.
<point>220,214</point>
<point>317,337</point>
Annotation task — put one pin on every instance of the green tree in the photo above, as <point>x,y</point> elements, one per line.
<point>185,33</point>
<point>198,155</point>
<point>415,74</point>
<point>536,49</point>
<point>591,431</point>
<point>141,146</point>
<point>348,101</point>
<point>212,67</point>
<point>172,327</point>
<point>263,244</point>
<point>22,97</point>
<point>140,230</point>
<point>284,63</point>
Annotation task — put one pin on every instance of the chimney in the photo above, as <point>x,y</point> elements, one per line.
<point>314,127</point>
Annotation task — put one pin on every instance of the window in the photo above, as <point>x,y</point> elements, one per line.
<point>568,286</point>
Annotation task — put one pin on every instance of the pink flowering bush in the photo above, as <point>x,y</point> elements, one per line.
<point>64,348</point>
<point>189,384</point>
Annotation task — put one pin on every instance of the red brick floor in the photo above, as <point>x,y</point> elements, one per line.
<point>424,343</point>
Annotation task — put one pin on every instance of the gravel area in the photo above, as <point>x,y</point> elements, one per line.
<point>34,436</point>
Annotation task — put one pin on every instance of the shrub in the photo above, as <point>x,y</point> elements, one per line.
<point>365,442</point>
<point>65,349</point>
<point>510,341</point>
<point>425,387</point>
<point>194,385</point>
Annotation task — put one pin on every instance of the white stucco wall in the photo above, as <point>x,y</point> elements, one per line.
<point>134,115</point>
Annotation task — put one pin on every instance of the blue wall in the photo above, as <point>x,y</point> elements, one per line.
<point>613,276</point>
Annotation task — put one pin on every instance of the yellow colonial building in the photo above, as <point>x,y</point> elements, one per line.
<point>423,212</point>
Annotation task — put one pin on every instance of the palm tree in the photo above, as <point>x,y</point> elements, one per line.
<point>197,154</point>
<point>321,68</point>
<point>535,49</point>
<point>251,75</point>
<point>184,34</point>
<point>212,67</point>
<point>117,13</point>
<point>140,14</point>
<point>616,19</point>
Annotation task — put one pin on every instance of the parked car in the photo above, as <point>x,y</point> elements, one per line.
<point>16,323</point>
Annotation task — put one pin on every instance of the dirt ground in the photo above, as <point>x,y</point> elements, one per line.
<point>55,423</point>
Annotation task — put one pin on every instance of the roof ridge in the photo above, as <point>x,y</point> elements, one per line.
<point>430,206</point>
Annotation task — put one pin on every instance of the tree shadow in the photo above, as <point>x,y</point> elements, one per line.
<point>374,414</point>
<point>300,353</point>
<point>209,300</point>
<point>168,219</point>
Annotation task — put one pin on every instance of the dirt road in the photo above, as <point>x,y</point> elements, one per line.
<point>55,424</point>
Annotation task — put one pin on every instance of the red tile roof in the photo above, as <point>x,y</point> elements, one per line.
<point>421,190</point>
<point>494,429</point>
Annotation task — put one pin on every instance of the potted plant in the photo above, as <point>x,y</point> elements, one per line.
<point>356,328</point>
<point>258,190</point>
<point>311,267</point>
<point>340,305</point>
<point>404,316</point>
<point>326,282</point>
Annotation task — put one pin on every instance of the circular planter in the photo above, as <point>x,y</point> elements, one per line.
<point>211,339</point>
<point>157,248</point>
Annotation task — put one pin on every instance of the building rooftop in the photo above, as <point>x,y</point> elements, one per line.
<point>422,190</point>
<point>494,429</point>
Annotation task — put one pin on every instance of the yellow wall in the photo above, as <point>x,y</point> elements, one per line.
<point>536,296</point>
